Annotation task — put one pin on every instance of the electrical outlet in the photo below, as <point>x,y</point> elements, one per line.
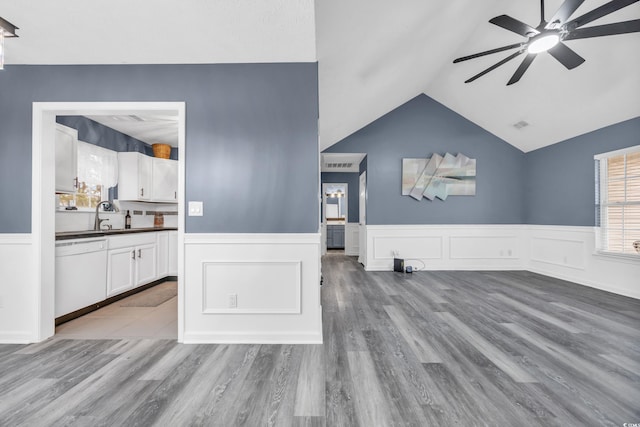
<point>233,300</point>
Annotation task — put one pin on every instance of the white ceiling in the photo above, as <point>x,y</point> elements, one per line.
<point>159,31</point>
<point>373,55</point>
<point>149,128</point>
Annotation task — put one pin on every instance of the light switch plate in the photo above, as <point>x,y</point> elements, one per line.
<point>195,209</point>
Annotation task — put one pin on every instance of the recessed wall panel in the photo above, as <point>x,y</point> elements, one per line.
<point>258,287</point>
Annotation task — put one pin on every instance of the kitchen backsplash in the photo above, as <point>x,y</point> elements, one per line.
<point>141,217</point>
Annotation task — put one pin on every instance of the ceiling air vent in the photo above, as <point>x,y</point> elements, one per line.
<point>521,124</point>
<point>339,165</point>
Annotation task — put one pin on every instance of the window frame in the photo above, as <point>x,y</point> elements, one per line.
<point>601,187</point>
<point>104,190</point>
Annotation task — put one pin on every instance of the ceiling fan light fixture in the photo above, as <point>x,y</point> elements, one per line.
<point>543,42</point>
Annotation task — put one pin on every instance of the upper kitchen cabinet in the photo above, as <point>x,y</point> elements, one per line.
<point>135,172</point>
<point>165,180</point>
<point>66,142</point>
<point>147,179</point>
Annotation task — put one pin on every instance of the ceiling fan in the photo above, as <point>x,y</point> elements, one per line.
<point>548,36</point>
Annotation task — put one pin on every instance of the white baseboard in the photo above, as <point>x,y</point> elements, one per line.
<point>252,338</point>
<point>445,247</point>
<point>563,252</point>
<point>18,337</point>
<point>569,253</point>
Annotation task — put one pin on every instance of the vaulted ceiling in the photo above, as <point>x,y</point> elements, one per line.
<point>372,55</point>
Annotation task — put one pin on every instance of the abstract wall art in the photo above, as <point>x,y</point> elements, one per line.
<point>439,176</point>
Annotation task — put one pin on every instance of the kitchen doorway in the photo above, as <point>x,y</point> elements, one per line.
<point>43,199</point>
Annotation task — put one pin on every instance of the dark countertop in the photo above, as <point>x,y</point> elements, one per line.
<point>67,235</point>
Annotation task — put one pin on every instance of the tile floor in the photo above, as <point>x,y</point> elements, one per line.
<point>118,321</point>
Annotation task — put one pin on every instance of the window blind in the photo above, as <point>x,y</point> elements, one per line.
<point>618,199</point>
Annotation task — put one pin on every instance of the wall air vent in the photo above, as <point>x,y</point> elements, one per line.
<point>339,165</point>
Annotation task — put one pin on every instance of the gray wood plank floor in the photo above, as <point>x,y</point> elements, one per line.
<point>422,349</point>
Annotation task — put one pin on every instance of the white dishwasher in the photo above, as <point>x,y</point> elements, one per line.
<point>81,274</point>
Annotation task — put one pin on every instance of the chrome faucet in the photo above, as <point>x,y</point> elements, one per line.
<point>98,221</point>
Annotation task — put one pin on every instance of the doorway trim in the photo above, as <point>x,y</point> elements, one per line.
<point>43,198</point>
<point>324,223</point>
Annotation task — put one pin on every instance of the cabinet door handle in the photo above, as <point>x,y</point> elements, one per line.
<point>75,182</point>
<point>133,254</point>
<point>142,192</point>
<point>139,253</point>
<point>175,194</point>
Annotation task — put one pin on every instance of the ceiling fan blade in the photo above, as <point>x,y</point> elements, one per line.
<point>565,11</point>
<point>522,68</point>
<point>605,30</point>
<point>599,12</point>
<point>494,66</point>
<point>566,56</point>
<point>512,24</point>
<point>488,52</point>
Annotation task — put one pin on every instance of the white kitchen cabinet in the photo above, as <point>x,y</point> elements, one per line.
<point>173,253</point>
<point>167,253</point>
<point>135,176</point>
<point>66,145</point>
<point>120,270</point>
<point>146,259</point>
<point>165,180</point>
<point>163,253</point>
<point>131,262</point>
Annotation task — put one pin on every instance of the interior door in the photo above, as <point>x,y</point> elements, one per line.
<point>362,204</point>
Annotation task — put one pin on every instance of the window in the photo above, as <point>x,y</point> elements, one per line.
<point>618,200</point>
<point>97,171</point>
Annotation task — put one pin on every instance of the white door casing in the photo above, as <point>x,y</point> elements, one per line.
<point>362,204</point>
<point>42,303</point>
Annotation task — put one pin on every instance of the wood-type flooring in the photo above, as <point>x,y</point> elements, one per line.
<point>422,349</point>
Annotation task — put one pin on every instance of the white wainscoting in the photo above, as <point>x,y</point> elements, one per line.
<point>258,286</point>
<point>569,253</point>
<point>17,289</point>
<point>563,252</point>
<point>446,247</point>
<point>276,278</point>
<point>352,239</point>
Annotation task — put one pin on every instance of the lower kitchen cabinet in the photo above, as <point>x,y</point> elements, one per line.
<point>163,253</point>
<point>120,270</point>
<point>131,262</point>
<point>146,264</point>
<point>173,253</point>
<point>167,253</point>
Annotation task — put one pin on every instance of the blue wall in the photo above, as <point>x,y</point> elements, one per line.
<point>560,187</point>
<point>244,124</point>
<point>353,182</point>
<point>96,133</point>
<point>419,128</point>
